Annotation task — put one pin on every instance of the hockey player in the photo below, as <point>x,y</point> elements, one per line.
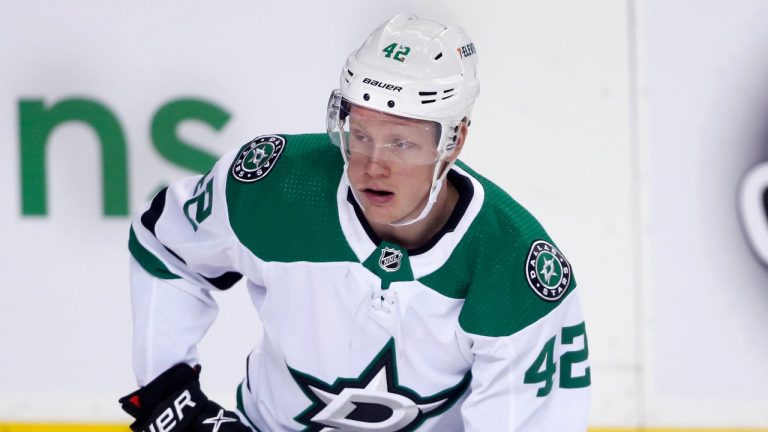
<point>398,289</point>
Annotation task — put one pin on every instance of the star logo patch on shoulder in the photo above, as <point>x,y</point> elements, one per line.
<point>257,158</point>
<point>547,271</point>
<point>375,400</point>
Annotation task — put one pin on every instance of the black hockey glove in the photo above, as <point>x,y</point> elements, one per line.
<point>173,402</point>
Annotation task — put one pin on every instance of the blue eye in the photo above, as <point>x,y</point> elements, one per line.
<point>401,144</point>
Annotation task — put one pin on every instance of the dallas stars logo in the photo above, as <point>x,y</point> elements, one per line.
<point>257,158</point>
<point>373,401</point>
<point>547,270</point>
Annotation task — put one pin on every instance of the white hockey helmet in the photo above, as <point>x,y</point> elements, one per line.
<point>413,68</point>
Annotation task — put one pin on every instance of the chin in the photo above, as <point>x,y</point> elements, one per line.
<point>376,216</point>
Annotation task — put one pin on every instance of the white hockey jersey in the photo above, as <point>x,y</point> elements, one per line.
<point>480,329</point>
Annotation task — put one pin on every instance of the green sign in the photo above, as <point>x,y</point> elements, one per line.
<point>37,122</point>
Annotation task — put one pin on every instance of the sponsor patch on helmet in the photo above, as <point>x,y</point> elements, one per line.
<point>257,158</point>
<point>466,50</point>
<point>547,271</point>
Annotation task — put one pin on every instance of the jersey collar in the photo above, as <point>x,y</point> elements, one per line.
<point>433,254</point>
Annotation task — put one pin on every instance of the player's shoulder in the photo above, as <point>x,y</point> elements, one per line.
<point>281,196</point>
<point>287,167</point>
<point>501,218</point>
<point>512,272</point>
<point>272,158</point>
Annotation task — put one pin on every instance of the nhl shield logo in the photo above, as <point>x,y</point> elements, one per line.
<point>390,259</point>
<point>257,158</point>
<point>547,271</point>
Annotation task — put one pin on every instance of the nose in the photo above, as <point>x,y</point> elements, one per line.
<point>375,163</point>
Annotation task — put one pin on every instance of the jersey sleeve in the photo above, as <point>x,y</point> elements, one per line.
<point>182,248</point>
<point>522,323</point>
<point>537,379</point>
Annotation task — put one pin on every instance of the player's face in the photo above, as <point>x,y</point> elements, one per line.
<point>391,163</point>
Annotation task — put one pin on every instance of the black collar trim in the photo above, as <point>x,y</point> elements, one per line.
<point>466,192</point>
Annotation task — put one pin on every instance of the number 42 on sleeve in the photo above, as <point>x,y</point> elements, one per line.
<point>543,368</point>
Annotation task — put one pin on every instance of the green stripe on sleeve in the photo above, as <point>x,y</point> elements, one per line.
<point>147,260</point>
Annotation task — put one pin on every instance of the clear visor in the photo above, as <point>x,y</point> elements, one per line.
<point>368,134</point>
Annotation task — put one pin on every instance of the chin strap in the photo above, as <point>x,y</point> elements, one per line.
<point>434,191</point>
<point>438,179</point>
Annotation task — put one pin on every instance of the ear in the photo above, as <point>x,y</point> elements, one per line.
<point>461,136</point>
